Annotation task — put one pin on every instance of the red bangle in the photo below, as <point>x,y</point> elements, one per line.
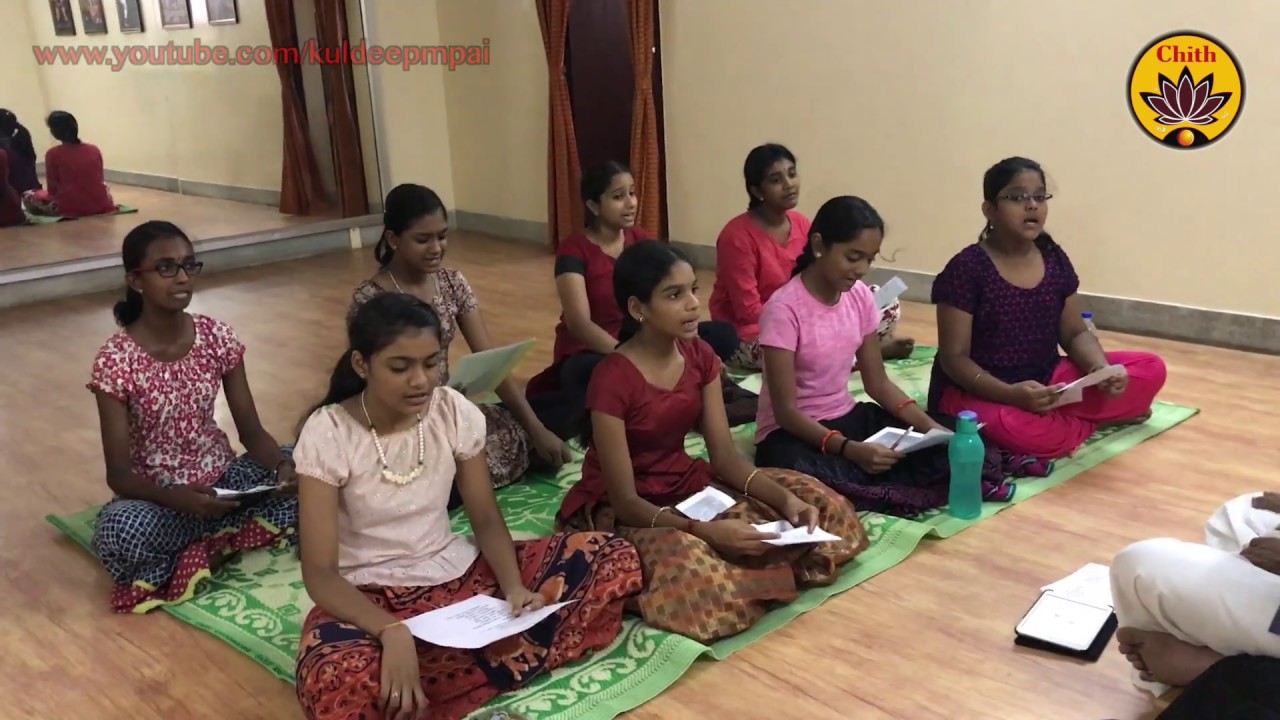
<point>825,438</point>
<point>904,405</point>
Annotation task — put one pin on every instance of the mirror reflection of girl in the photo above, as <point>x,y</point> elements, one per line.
<point>377,460</point>
<point>16,140</point>
<point>812,329</point>
<point>706,580</point>
<point>1006,304</point>
<point>757,250</point>
<point>75,174</point>
<point>411,256</point>
<point>590,320</point>
<point>156,382</point>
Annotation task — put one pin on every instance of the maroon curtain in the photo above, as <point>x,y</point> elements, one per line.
<point>301,189</point>
<point>340,103</point>
<point>564,207</point>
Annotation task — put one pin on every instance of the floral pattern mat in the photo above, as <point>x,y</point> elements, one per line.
<point>257,602</point>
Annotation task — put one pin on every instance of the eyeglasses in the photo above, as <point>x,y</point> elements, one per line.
<point>1024,198</point>
<point>169,268</point>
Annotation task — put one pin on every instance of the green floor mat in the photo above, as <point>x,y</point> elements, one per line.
<point>33,219</point>
<point>257,602</point>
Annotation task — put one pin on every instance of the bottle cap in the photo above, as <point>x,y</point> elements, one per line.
<point>1087,315</point>
<point>969,415</point>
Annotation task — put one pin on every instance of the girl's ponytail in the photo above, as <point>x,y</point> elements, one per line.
<point>805,259</point>
<point>344,384</point>
<point>128,310</point>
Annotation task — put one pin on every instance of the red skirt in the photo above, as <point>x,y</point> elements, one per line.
<point>339,665</point>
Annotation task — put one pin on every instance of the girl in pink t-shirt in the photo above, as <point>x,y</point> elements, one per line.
<point>812,331</point>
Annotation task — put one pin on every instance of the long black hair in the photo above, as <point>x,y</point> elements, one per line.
<point>64,127</point>
<point>1001,174</point>
<point>132,253</point>
<point>838,221</point>
<point>756,168</point>
<point>595,183</point>
<point>638,273</point>
<point>405,205</point>
<point>17,134</point>
<point>376,324</point>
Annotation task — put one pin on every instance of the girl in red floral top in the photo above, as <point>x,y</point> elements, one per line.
<point>156,381</point>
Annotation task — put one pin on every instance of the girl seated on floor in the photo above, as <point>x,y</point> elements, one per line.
<point>377,459</point>
<point>756,251</point>
<point>1182,607</point>
<point>411,255</point>
<point>156,381</point>
<point>16,139</point>
<point>704,580</point>
<point>1005,305</point>
<point>590,319</point>
<point>74,171</point>
<point>811,331</point>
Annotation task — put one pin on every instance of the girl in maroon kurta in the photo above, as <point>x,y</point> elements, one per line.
<point>10,204</point>
<point>74,170</point>
<point>590,319</point>
<point>756,254</point>
<point>1005,306</point>
<point>705,580</point>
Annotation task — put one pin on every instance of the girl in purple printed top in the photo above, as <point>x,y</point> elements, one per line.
<point>1005,306</point>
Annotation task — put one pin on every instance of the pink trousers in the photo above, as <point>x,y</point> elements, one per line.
<point>1060,432</point>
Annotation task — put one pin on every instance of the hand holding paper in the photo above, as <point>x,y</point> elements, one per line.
<point>1074,392</point>
<point>889,292</point>
<point>476,622</point>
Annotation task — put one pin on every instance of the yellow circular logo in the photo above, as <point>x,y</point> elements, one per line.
<point>1186,90</point>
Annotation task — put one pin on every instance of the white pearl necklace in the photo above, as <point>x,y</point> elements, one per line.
<point>387,473</point>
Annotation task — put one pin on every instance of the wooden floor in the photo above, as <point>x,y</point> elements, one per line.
<point>931,638</point>
<point>199,217</point>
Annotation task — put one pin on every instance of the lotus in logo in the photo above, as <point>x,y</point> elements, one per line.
<point>1186,102</point>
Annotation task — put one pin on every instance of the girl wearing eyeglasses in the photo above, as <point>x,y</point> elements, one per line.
<point>1005,306</point>
<point>156,381</point>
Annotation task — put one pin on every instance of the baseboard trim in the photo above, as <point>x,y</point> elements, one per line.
<point>235,193</point>
<point>1236,331</point>
<point>527,230</point>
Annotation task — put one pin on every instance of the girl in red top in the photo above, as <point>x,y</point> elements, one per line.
<point>756,253</point>
<point>705,580</point>
<point>74,172</point>
<point>590,319</point>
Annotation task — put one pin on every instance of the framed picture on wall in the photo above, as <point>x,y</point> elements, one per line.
<point>222,12</point>
<point>92,17</point>
<point>63,22</point>
<point>130,16</point>
<point>175,14</point>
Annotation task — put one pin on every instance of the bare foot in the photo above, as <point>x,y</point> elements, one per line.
<point>1130,645</point>
<point>1164,658</point>
<point>894,348</point>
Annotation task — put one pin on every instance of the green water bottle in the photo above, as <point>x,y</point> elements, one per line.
<point>967,454</point>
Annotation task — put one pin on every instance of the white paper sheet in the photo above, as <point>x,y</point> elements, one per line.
<point>1090,585</point>
<point>889,292</point>
<point>479,374</point>
<point>912,442</point>
<point>706,504</point>
<point>792,535</point>
<point>233,494</point>
<point>1074,392</point>
<point>474,623</point>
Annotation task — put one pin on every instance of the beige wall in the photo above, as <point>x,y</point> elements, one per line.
<point>21,91</point>
<point>906,104</point>
<point>412,125</point>
<point>498,113</point>
<point>197,123</point>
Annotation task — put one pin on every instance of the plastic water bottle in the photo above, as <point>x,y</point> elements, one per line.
<point>1088,322</point>
<point>967,453</point>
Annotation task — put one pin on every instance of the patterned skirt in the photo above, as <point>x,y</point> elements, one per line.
<point>159,556</point>
<point>507,445</point>
<point>339,665</point>
<point>692,591</point>
<point>920,481</point>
